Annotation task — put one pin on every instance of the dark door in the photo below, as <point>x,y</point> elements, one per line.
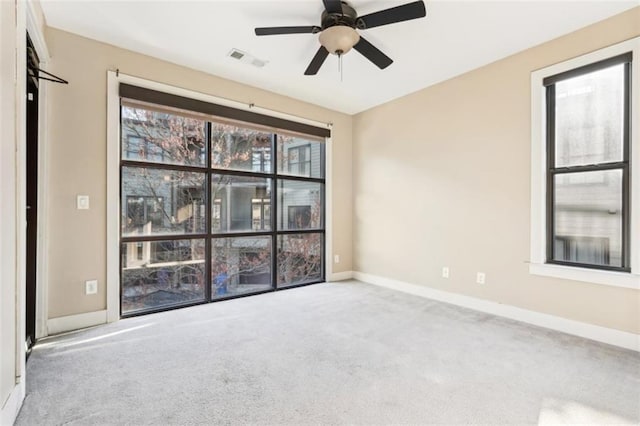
<point>32,195</point>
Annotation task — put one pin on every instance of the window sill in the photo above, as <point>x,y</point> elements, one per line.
<point>595,276</point>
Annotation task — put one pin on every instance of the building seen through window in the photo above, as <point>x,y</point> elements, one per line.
<point>197,209</point>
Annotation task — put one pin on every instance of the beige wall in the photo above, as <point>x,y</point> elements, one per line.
<point>442,178</point>
<point>77,139</point>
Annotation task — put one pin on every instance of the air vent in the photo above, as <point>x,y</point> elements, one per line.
<point>236,54</point>
<point>246,58</point>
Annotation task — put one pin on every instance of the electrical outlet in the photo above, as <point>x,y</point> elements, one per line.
<point>91,287</point>
<point>82,202</point>
<point>445,272</point>
<point>336,258</point>
<point>480,278</point>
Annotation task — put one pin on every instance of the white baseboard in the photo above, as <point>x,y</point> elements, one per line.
<point>11,408</point>
<point>76,322</point>
<point>594,332</point>
<point>340,276</point>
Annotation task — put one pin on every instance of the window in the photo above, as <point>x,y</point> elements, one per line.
<point>300,160</point>
<point>261,213</point>
<point>162,201</point>
<point>299,217</point>
<point>143,210</point>
<point>238,196</point>
<point>582,184</point>
<point>216,215</point>
<point>588,165</point>
<point>298,157</point>
<point>238,148</point>
<point>217,211</point>
<point>163,214</point>
<point>141,148</point>
<point>261,159</point>
<point>162,137</point>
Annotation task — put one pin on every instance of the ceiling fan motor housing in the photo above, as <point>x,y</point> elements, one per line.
<point>348,17</point>
<point>338,34</point>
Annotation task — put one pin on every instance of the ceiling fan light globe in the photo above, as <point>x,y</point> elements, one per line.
<point>339,39</point>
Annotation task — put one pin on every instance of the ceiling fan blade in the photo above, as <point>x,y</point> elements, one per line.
<point>287,30</point>
<point>317,61</point>
<point>402,13</point>
<point>333,6</point>
<point>372,53</point>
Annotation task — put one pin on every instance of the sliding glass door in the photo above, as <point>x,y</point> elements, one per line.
<point>213,208</point>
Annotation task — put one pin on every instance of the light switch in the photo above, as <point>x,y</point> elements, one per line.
<point>83,202</point>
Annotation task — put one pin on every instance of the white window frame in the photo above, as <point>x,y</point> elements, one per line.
<point>538,265</point>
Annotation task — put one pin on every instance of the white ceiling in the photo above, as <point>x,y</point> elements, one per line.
<point>455,37</point>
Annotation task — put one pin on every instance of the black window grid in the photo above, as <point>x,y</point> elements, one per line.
<point>208,170</point>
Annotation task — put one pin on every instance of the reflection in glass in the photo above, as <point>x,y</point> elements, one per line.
<point>589,118</point>
<point>300,157</point>
<point>162,202</point>
<point>240,265</point>
<point>240,204</point>
<point>588,217</point>
<point>161,137</point>
<point>299,205</point>
<point>239,148</point>
<point>299,259</point>
<point>161,273</point>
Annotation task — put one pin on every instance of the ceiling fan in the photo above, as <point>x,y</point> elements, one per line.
<point>339,22</point>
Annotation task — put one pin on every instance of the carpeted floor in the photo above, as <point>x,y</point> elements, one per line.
<point>328,354</point>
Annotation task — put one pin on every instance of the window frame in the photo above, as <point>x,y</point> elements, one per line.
<point>538,264</point>
<point>268,117</point>
<point>623,165</point>
<point>209,235</point>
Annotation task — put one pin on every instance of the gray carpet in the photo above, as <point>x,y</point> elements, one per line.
<point>328,354</point>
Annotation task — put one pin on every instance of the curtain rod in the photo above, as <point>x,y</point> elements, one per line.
<point>249,105</point>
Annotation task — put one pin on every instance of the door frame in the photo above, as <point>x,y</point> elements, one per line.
<point>35,30</point>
